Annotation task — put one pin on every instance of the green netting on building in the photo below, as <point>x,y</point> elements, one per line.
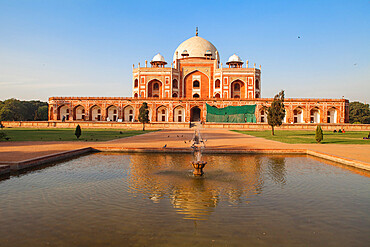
<point>231,114</point>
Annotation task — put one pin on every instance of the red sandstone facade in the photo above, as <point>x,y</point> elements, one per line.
<point>179,93</point>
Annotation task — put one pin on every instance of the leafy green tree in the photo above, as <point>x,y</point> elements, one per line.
<point>78,131</point>
<point>16,110</point>
<point>359,112</point>
<point>13,110</point>
<point>42,113</point>
<point>144,114</point>
<point>319,136</point>
<point>276,111</point>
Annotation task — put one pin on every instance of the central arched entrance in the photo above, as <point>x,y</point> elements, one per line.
<point>155,89</point>
<point>195,114</point>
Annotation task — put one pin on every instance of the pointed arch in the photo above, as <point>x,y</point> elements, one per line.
<point>175,84</point>
<point>112,113</point>
<point>195,114</point>
<point>128,113</point>
<point>332,115</point>
<point>179,114</point>
<point>298,115</point>
<point>154,88</point>
<point>162,114</point>
<point>217,84</point>
<point>195,70</point>
<point>263,116</point>
<point>79,113</point>
<point>196,82</point>
<point>95,113</point>
<point>315,114</point>
<point>63,112</point>
<point>237,88</point>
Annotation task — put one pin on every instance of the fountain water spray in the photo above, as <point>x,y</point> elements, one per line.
<point>197,145</point>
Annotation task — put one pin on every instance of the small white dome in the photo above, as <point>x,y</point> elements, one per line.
<point>158,58</point>
<point>234,58</point>
<point>185,52</point>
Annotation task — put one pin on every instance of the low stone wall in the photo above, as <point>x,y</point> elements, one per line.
<point>4,170</point>
<point>86,124</point>
<point>296,126</point>
<point>160,125</point>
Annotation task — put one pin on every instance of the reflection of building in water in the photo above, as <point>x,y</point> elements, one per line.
<point>233,178</point>
<point>276,169</point>
<point>196,199</point>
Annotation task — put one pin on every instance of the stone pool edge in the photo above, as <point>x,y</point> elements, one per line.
<point>341,160</point>
<point>7,167</point>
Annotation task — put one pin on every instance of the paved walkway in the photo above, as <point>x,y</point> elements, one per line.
<point>225,139</point>
<point>216,139</point>
<point>19,151</point>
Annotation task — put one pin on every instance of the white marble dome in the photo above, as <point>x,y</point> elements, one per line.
<point>158,58</point>
<point>234,58</point>
<point>196,47</point>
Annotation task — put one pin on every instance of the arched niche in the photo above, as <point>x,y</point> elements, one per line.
<point>79,113</point>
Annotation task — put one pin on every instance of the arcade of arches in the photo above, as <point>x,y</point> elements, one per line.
<point>297,112</point>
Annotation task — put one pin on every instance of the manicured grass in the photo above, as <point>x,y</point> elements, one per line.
<point>308,136</point>
<point>31,134</point>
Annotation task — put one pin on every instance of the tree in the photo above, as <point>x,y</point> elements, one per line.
<point>16,110</point>
<point>78,131</point>
<point>319,136</point>
<point>144,114</point>
<point>359,112</point>
<point>276,111</point>
<point>2,135</point>
<point>41,113</point>
<point>13,110</point>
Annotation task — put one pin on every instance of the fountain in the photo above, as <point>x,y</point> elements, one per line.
<point>197,145</point>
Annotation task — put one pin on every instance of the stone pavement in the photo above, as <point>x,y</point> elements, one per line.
<point>18,151</point>
<point>217,139</point>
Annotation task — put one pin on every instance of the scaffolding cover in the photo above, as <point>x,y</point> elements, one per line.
<point>231,114</point>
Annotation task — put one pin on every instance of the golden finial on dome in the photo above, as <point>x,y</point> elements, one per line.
<point>196,32</point>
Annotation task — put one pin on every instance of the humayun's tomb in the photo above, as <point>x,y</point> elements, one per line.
<point>180,92</point>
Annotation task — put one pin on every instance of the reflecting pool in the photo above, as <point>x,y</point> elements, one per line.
<point>115,199</point>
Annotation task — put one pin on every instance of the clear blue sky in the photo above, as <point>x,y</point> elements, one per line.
<point>87,48</point>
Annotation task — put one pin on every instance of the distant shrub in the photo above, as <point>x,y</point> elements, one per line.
<point>319,136</point>
<point>78,131</point>
<point>2,136</point>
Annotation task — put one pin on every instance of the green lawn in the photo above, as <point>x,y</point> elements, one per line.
<point>32,134</point>
<point>308,136</point>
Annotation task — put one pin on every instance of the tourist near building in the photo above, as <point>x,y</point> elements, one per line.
<point>178,90</point>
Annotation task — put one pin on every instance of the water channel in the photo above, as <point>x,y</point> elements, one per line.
<point>116,199</point>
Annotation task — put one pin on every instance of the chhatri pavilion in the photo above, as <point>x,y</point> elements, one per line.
<point>179,90</point>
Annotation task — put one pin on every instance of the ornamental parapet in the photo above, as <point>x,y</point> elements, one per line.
<point>316,100</point>
<point>152,69</point>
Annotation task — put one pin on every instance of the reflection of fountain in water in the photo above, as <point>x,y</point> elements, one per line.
<point>197,145</point>
<point>231,178</point>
